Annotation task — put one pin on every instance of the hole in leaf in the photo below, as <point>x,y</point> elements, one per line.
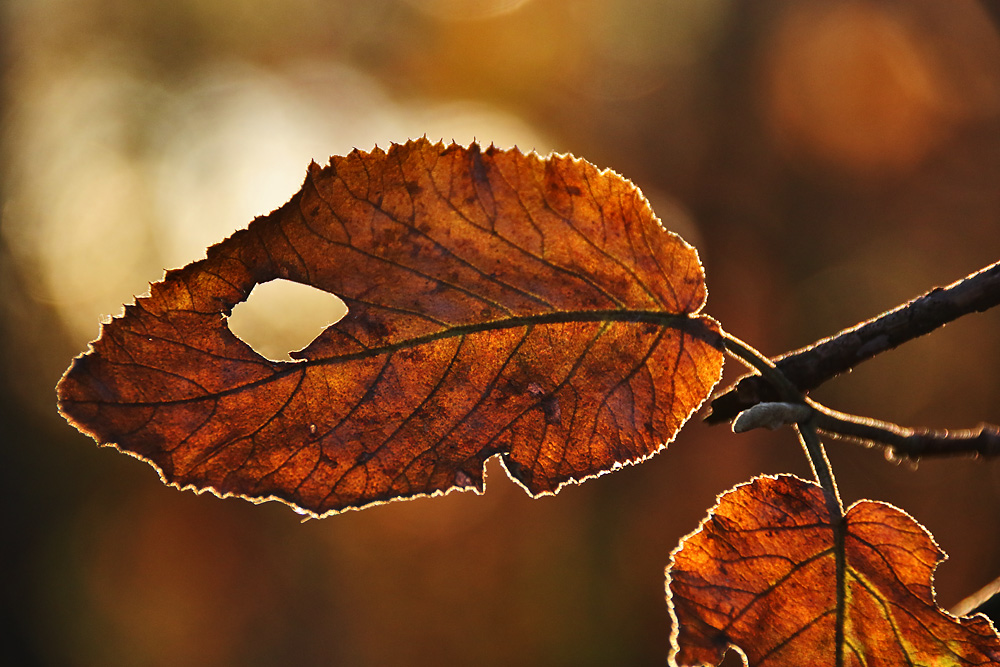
<point>282,316</point>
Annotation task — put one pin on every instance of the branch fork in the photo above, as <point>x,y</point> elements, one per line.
<point>776,396</point>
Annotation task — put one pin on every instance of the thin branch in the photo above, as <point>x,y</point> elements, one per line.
<point>978,601</point>
<point>984,440</point>
<point>811,366</point>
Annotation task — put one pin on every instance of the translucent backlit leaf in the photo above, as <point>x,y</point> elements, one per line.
<point>499,304</point>
<point>760,574</point>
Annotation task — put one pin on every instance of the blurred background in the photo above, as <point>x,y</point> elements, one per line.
<point>829,160</point>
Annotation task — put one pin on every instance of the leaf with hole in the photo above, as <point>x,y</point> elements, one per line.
<point>498,304</point>
<point>761,574</point>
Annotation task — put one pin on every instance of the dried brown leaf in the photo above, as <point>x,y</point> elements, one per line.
<point>760,574</point>
<point>499,303</point>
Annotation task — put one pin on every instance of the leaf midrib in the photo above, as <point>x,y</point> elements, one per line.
<point>694,324</point>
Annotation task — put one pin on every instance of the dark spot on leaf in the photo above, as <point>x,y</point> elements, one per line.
<point>479,174</point>
<point>550,407</point>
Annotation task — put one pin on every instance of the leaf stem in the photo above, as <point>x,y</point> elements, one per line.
<point>807,428</point>
<point>768,371</point>
<point>822,470</point>
<point>824,474</point>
